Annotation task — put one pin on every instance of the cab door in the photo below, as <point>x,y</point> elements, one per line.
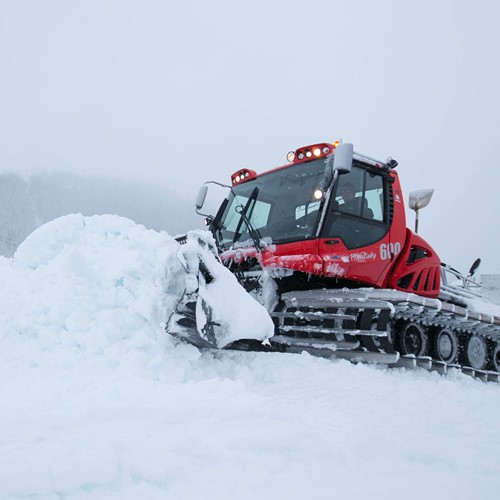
<point>357,243</point>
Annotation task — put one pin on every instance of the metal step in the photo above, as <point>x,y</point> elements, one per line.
<point>407,361</point>
<point>334,298</point>
<point>411,361</point>
<point>424,362</point>
<point>333,345</point>
<point>313,315</point>
<point>330,331</point>
<point>439,366</point>
<point>368,356</point>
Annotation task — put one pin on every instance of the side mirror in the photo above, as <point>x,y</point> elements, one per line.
<point>200,199</point>
<point>342,161</point>
<point>420,199</point>
<point>209,198</point>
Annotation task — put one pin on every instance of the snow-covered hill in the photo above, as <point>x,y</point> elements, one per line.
<point>99,403</point>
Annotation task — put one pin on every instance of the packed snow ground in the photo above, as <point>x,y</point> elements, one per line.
<point>97,402</point>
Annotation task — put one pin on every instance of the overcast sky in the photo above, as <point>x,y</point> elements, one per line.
<point>183,92</point>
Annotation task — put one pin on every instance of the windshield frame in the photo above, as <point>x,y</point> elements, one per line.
<point>301,180</point>
<point>302,209</point>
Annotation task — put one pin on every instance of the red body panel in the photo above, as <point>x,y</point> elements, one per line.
<point>298,256</point>
<point>420,274</point>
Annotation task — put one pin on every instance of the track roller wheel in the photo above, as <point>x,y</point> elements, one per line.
<point>476,353</point>
<point>375,344</point>
<point>412,339</point>
<point>445,345</point>
<point>496,358</point>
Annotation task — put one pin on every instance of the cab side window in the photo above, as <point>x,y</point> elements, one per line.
<point>357,214</point>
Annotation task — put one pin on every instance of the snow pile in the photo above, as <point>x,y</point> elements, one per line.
<point>99,403</point>
<point>490,287</point>
<point>484,307</point>
<point>81,286</point>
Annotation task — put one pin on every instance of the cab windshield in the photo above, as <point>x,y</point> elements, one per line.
<point>280,205</point>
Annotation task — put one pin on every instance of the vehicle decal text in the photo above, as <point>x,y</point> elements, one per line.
<point>389,250</point>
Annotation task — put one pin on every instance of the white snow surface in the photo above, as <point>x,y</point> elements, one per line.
<point>98,402</point>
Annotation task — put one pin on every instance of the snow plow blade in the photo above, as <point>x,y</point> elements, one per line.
<point>214,310</point>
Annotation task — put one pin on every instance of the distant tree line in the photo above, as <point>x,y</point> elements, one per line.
<point>28,201</point>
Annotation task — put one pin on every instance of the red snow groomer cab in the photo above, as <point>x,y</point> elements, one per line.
<point>335,223</point>
<point>322,242</point>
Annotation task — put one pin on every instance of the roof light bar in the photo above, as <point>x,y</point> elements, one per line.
<point>243,175</point>
<point>309,152</point>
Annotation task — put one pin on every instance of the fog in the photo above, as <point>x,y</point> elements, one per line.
<point>29,201</point>
<point>179,93</point>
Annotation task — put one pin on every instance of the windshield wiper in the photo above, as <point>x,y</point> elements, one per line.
<point>215,223</point>
<point>254,233</point>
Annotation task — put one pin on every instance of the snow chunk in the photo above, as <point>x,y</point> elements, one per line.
<point>236,314</point>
